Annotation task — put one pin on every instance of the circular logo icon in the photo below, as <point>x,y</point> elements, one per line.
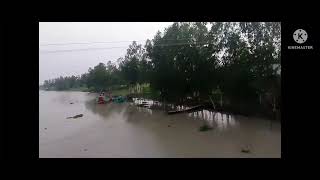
<point>300,36</point>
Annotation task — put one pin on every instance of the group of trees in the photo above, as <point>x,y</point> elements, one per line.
<point>63,83</point>
<point>103,76</point>
<point>100,77</point>
<point>240,60</point>
<point>135,67</point>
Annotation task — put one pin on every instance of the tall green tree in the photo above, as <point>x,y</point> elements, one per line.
<point>98,77</point>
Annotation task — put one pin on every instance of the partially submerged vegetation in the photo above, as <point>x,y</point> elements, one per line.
<point>232,66</point>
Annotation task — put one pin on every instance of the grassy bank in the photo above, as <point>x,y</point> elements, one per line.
<point>82,89</point>
<point>122,92</point>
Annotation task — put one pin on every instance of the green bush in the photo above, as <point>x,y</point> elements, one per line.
<point>91,89</point>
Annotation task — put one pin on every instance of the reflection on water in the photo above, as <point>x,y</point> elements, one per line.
<point>106,110</point>
<point>213,119</point>
<point>144,110</point>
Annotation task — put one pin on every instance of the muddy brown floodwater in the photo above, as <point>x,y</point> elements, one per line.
<point>127,131</point>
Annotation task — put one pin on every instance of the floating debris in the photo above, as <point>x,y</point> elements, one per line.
<point>76,116</point>
<point>245,149</point>
<point>71,103</point>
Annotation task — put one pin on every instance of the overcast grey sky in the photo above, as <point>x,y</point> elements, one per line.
<point>52,65</point>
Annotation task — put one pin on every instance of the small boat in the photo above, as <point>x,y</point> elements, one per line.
<point>102,100</point>
<point>119,99</point>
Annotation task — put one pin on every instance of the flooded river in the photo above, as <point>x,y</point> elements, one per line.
<point>128,131</point>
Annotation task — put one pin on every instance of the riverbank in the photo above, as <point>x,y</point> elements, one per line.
<point>244,110</point>
<point>80,89</point>
<point>117,92</point>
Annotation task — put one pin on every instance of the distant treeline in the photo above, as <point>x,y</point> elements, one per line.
<point>241,61</point>
<point>64,83</point>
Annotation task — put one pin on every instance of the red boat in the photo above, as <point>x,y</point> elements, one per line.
<point>101,100</point>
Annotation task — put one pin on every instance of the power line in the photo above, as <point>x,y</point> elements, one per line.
<point>191,43</point>
<point>88,49</point>
<point>64,44</point>
<point>102,42</point>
